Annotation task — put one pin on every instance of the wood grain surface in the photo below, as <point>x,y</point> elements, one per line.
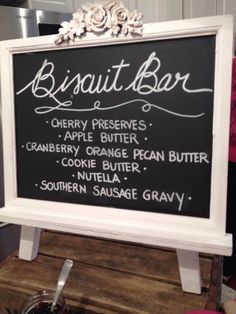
<point>108,277</point>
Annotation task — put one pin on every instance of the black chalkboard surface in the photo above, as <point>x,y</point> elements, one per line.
<point>124,125</point>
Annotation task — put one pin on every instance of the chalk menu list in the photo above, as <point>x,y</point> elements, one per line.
<point>126,126</point>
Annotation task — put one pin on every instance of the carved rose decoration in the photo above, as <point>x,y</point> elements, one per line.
<point>98,18</point>
<point>134,24</point>
<point>78,22</point>
<point>119,16</point>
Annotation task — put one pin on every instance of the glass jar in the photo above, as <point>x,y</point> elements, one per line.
<point>41,304</point>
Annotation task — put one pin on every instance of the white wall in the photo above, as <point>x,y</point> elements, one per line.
<point>153,10</point>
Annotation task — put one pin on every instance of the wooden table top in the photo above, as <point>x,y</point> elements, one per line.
<point>108,277</point>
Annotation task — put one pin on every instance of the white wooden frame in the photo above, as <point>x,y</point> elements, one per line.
<point>186,234</point>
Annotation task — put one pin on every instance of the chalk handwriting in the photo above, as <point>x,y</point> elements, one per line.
<point>121,166</point>
<point>164,197</point>
<point>105,124</point>
<point>156,84</point>
<point>171,156</point>
<point>147,80</point>
<point>78,163</point>
<point>98,177</point>
<point>70,187</point>
<point>51,148</point>
<point>129,194</point>
<point>69,124</point>
<point>96,151</point>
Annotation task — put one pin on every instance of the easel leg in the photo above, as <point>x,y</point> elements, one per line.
<point>189,268</point>
<point>29,242</point>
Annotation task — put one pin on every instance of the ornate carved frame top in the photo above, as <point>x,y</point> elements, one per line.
<point>100,17</point>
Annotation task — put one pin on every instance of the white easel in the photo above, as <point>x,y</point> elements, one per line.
<point>188,260</point>
<point>187,235</point>
<point>189,265</point>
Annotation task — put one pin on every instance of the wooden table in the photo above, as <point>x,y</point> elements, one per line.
<point>108,277</point>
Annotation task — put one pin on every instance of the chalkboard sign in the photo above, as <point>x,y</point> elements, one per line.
<point>123,137</point>
<point>126,125</point>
